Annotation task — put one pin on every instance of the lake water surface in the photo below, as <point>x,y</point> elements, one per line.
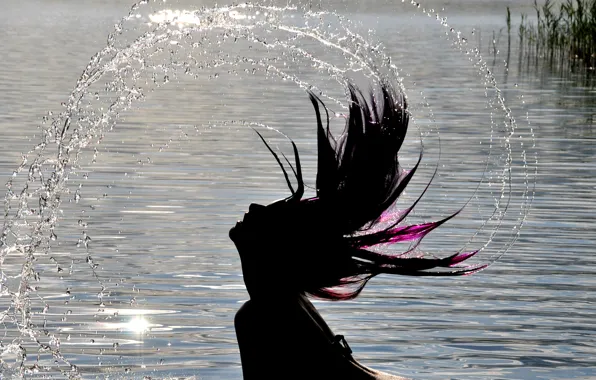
<point>159,200</point>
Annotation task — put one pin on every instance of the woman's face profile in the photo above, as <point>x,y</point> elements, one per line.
<point>266,242</point>
<point>281,230</point>
<point>267,228</point>
<point>255,223</point>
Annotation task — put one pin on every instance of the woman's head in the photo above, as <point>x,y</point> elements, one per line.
<point>288,247</point>
<point>322,245</point>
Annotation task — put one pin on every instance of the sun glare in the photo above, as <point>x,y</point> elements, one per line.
<point>138,324</point>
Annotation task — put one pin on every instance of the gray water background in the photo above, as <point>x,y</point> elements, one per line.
<point>160,232</point>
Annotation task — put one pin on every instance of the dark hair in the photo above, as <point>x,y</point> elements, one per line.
<point>358,179</point>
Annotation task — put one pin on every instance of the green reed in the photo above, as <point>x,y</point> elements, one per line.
<point>564,37</point>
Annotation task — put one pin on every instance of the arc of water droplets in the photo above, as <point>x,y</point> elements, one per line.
<point>510,126</point>
<point>78,125</point>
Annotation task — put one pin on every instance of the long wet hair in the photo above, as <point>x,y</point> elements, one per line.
<point>359,178</point>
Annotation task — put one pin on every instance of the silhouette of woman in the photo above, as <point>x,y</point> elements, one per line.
<point>321,246</point>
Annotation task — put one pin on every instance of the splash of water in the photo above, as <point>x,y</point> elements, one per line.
<point>240,40</point>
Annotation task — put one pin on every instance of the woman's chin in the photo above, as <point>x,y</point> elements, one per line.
<point>234,231</point>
